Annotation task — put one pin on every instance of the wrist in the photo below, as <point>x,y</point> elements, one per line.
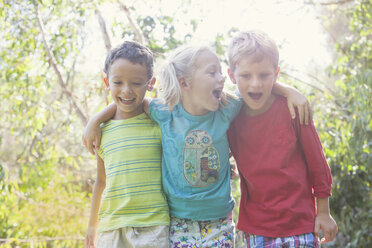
<point>288,91</point>
<point>92,227</point>
<point>323,206</point>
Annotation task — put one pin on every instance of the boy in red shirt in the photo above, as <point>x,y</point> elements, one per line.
<point>285,178</point>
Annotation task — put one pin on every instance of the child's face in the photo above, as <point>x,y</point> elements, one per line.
<point>206,84</point>
<point>128,83</point>
<point>255,81</point>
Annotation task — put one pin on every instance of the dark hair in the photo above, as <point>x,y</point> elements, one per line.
<point>134,52</point>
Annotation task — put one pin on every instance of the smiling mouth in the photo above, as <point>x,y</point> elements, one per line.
<point>217,94</point>
<point>127,101</point>
<point>255,96</point>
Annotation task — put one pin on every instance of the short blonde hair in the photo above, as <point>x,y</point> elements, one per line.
<point>256,44</point>
<point>181,63</point>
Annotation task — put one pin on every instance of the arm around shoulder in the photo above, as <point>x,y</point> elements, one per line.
<point>146,104</point>
<point>294,99</point>
<point>92,132</point>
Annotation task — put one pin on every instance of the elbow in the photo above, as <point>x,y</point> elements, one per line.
<point>100,184</point>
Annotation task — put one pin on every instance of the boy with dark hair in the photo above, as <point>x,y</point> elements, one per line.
<point>127,195</point>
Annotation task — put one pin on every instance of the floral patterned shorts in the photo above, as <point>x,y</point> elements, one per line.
<point>186,233</point>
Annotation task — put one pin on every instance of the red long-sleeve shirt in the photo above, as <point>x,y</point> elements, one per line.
<point>282,168</point>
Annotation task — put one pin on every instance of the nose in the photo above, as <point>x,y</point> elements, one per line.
<point>126,89</point>
<point>255,82</point>
<point>221,78</point>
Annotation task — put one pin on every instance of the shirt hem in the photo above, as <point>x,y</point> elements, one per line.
<point>132,225</point>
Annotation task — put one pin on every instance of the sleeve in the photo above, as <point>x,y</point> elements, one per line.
<point>232,108</point>
<point>231,137</point>
<point>158,112</point>
<point>100,151</point>
<point>318,168</point>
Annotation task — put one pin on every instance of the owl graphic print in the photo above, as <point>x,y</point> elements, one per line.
<point>201,162</point>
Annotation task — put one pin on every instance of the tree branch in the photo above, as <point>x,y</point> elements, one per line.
<point>137,31</point>
<point>299,80</point>
<point>331,3</point>
<point>52,62</point>
<point>106,39</point>
<point>102,24</point>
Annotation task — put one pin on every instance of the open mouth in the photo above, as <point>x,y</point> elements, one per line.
<point>217,93</point>
<point>127,101</point>
<point>255,96</point>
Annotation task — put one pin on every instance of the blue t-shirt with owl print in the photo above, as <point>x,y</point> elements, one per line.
<point>195,162</point>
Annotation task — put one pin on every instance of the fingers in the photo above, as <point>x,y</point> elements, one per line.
<point>90,147</point>
<point>306,113</point>
<point>87,243</point>
<point>316,230</point>
<point>90,243</point>
<point>97,142</point>
<point>326,237</point>
<point>329,236</point>
<point>322,241</point>
<point>87,145</point>
<point>291,110</point>
<point>301,114</point>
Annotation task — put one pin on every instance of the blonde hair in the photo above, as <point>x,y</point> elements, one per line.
<point>256,44</point>
<point>181,63</point>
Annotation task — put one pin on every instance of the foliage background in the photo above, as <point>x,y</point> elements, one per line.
<point>46,176</point>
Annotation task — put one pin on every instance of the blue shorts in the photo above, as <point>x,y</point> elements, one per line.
<point>306,240</point>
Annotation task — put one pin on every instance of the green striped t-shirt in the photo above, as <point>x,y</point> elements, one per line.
<point>131,150</point>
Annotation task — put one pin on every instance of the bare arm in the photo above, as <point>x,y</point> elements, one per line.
<point>99,186</point>
<point>92,133</point>
<point>146,104</point>
<point>294,99</point>
<point>324,221</point>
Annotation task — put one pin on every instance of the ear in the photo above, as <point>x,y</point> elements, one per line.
<point>277,73</point>
<point>151,84</point>
<point>231,75</point>
<point>106,82</point>
<point>182,82</point>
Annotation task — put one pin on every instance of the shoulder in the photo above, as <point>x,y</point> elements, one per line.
<point>281,105</point>
<point>280,100</point>
<point>157,103</point>
<point>230,107</point>
<point>158,111</point>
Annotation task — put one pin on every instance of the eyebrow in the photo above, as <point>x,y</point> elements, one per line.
<point>130,79</point>
<point>212,66</point>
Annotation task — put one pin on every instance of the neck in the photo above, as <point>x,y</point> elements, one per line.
<point>191,108</point>
<point>121,115</point>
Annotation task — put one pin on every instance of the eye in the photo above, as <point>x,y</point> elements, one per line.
<point>246,76</point>
<point>205,140</point>
<point>137,84</point>
<point>212,73</point>
<point>190,140</point>
<point>117,82</point>
<point>264,76</point>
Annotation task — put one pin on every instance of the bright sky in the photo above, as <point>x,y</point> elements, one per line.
<point>292,24</point>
